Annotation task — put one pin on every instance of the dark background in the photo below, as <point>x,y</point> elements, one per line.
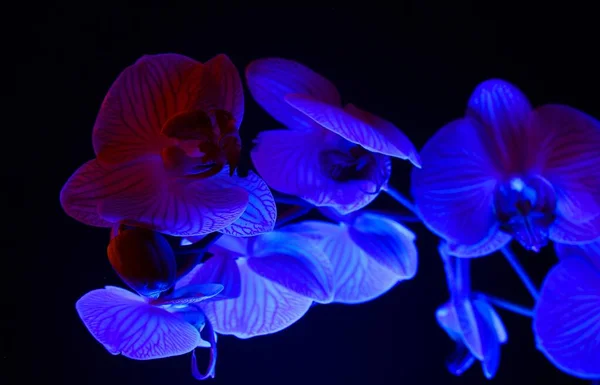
<point>412,65</point>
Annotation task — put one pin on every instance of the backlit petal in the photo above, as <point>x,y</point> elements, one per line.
<point>289,162</point>
<point>357,277</point>
<point>269,80</point>
<point>567,318</point>
<point>263,307</point>
<point>144,96</point>
<point>219,269</point>
<point>566,151</point>
<point>386,241</point>
<point>454,190</point>
<point>261,212</point>
<point>142,193</point>
<point>125,324</point>
<point>502,111</point>
<point>294,263</point>
<point>565,231</point>
<point>357,126</point>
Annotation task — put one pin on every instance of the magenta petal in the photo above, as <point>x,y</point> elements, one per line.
<point>566,148</point>
<point>502,110</point>
<point>294,263</point>
<point>261,213</point>
<point>357,126</point>
<point>219,269</point>
<point>140,101</point>
<point>567,318</point>
<point>386,241</point>
<point>142,193</point>
<point>263,307</point>
<point>565,231</point>
<point>454,190</point>
<point>289,161</point>
<point>269,80</point>
<point>125,324</point>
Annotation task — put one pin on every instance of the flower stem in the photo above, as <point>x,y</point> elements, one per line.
<point>404,201</point>
<point>506,305</point>
<point>514,262</point>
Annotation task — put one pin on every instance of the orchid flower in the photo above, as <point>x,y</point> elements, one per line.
<point>167,145</point>
<point>567,315</point>
<point>508,171</point>
<point>270,282</point>
<point>330,155</point>
<point>158,322</point>
<point>369,252</point>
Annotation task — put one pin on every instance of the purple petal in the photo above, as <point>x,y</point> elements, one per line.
<point>357,277</point>
<point>290,162</point>
<point>565,231</point>
<point>502,110</point>
<point>490,244</point>
<point>294,263</point>
<point>388,242</point>
<point>263,307</point>
<point>357,126</point>
<point>454,190</point>
<point>190,294</point>
<point>219,269</point>
<point>590,251</point>
<point>261,212</point>
<point>124,323</point>
<point>567,318</point>
<point>269,80</point>
<point>565,151</point>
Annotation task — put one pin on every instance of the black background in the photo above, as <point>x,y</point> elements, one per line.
<point>412,65</point>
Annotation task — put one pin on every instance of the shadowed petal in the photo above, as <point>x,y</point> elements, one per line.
<point>495,240</point>
<point>565,231</point>
<point>219,269</point>
<point>454,191</point>
<point>566,151</point>
<point>290,162</point>
<point>140,101</point>
<point>357,126</point>
<point>386,241</point>
<point>261,213</point>
<point>294,263</point>
<point>502,110</point>
<point>124,323</point>
<point>263,307</point>
<point>567,318</point>
<point>589,251</point>
<point>190,294</point>
<point>269,80</point>
<point>357,277</point>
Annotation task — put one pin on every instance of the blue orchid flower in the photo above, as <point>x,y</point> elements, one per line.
<point>270,282</point>
<point>469,320</point>
<point>567,315</point>
<point>508,171</point>
<point>161,320</point>
<point>330,155</point>
<point>369,252</point>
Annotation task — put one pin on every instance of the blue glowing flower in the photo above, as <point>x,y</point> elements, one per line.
<point>167,144</point>
<point>369,252</point>
<point>270,282</point>
<point>331,155</point>
<point>567,315</point>
<point>470,321</point>
<point>509,171</point>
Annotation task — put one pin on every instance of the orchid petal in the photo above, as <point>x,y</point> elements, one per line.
<point>567,152</point>
<point>263,307</point>
<point>190,294</point>
<point>125,324</point>
<point>220,269</point>
<point>567,318</point>
<point>292,262</point>
<point>144,96</point>
<point>502,111</point>
<point>269,80</point>
<point>454,191</point>
<point>590,251</point>
<point>495,240</point>
<point>208,335</point>
<point>386,241</point>
<point>565,231</point>
<point>357,277</point>
<point>261,213</point>
<point>289,161</point>
<point>489,338</point>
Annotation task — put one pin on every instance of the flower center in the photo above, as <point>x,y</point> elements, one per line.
<point>203,146</point>
<point>345,166</point>
<point>525,208</point>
